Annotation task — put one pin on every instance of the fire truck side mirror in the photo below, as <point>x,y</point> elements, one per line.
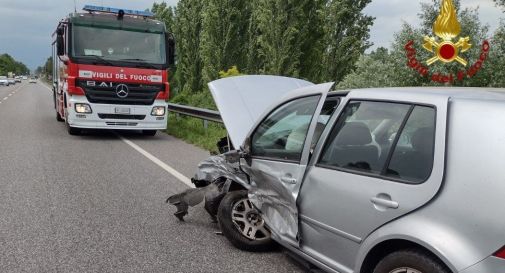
<point>171,49</point>
<point>60,42</point>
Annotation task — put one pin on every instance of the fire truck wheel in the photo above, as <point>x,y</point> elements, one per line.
<point>149,132</point>
<point>58,117</point>
<point>72,130</point>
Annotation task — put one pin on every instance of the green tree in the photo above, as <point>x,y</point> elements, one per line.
<point>276,36</point>
<point>496,60</point>
<point>500,2</point>
<point>223,41</point>
<point>9,64</point>
<point>347,31</point>
<point>313,40</point>
<point>163,12</point>
<point>399,74</point>
<point>187,29</point>
<point>48,67</point>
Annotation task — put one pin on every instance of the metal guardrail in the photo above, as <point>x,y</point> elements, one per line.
<point>204,114</point>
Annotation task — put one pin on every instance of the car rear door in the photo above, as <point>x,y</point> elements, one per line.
<point>280,147</point>
<point>379,160</point>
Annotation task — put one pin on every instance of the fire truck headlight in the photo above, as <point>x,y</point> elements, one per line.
<point>83,108</point>
<point>158,111</point>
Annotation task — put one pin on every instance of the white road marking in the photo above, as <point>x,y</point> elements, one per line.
<point>5,98</point>
<point>10,94</point>
<point>158,162</point>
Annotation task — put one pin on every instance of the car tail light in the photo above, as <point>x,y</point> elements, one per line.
<point>500,253</point>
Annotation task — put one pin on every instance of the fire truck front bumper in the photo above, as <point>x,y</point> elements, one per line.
<point>82,114</point>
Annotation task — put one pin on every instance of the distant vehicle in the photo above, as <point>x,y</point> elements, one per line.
<point>25,78</point>
<point>102,82</point>
<point>4,81</point>
<point>11,80</point>
<point>17,79</point>
<point>33,80</point>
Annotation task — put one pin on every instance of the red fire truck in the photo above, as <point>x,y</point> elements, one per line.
<point>111,70</point>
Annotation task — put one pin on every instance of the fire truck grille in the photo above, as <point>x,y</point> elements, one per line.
<point>122,123</point>
<point>115,116</point>
<point>138,94</point>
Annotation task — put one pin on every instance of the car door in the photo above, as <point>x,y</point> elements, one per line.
<point>279,149</point>
<point>379,161</point>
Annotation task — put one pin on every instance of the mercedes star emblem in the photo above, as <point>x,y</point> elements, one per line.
<point>122,91</point>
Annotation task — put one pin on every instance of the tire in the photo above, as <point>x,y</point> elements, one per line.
<point>149,132</point>
<point>58,117</point>
<point>236,202</point>
<point>71,130</point>
<point>411,261</point>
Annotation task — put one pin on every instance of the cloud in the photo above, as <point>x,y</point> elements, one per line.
<point>391,13</point>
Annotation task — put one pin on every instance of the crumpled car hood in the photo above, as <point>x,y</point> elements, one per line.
<point>243,100</point>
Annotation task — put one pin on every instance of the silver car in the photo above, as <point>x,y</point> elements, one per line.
<point>398,180</point>
<point>4,81</point>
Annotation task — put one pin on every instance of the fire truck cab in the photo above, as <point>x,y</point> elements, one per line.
<point>110,70</point>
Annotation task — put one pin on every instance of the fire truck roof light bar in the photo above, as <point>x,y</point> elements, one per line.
<point>91,8</point>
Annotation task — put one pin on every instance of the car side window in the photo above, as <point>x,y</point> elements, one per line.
<point>412,159</point>
<point>361,138</point>
<point>329,107</point>
<point>282,134</point>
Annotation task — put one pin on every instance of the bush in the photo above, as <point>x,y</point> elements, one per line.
<point>191,129</point>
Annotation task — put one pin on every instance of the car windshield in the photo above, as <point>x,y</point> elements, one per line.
<point>118,45</point>
<point>3,78</point>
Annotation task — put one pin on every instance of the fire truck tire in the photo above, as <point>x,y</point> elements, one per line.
<point>72,130</point>
<point>58,117</point>
<point>149,132</point>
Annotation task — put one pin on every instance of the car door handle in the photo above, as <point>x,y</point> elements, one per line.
<point>385,203</point>
<point>288,180</point>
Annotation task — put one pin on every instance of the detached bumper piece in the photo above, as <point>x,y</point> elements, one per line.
<point>212,180</point>
<point>212,194</point>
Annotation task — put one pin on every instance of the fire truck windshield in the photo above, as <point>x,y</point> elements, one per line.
<point>115,45</point>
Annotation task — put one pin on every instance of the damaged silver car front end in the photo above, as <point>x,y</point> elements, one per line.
<point>213,180</point>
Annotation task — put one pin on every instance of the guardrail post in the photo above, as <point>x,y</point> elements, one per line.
<point>205,124</point>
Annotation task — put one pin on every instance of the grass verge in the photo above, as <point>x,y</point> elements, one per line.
<point>192,131</point>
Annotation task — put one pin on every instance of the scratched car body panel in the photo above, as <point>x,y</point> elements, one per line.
<point>392,170</point>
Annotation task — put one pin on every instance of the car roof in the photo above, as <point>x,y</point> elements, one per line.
<point>474,93</point>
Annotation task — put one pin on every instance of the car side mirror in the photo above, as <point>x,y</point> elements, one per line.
<point>60,43</point>
<point>170,49</point>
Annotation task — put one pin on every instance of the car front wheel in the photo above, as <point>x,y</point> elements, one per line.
<point>242,224</point>
<point>410,261</point>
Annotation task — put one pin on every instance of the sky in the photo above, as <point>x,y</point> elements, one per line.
<point>26,25</point>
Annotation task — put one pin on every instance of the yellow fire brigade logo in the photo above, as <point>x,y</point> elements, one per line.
<point>447,27</point>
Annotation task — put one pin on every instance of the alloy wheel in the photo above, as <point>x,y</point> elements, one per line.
<point>249,222</point>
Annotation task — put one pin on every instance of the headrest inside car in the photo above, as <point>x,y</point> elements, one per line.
<point>422,140</point>
<point>354,133</point>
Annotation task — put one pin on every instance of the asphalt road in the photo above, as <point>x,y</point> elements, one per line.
<point>95,204</point>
